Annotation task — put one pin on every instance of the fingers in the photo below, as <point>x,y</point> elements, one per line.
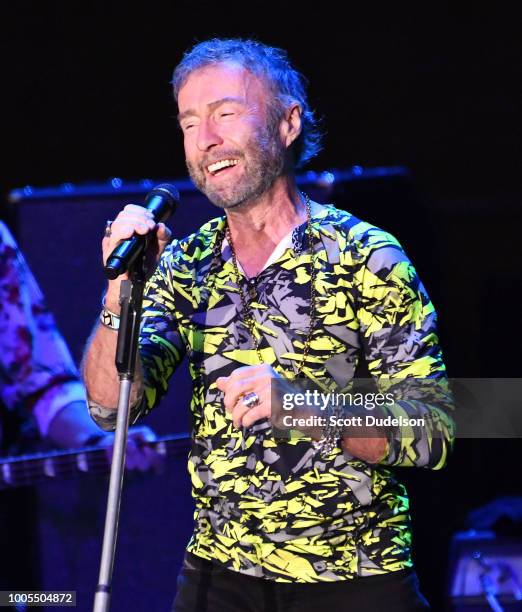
<point>142,433</point>
<point>131,220</point>
<point>138,455</point>
<point>135,457</point>
<point>253,415</point>
<point>134,219</point>
<point>142,458</point>
<point>236,389</point>
<point>257,379</point>
<point>238,412</point>
<point>242,416</point>
<point>223,382</point>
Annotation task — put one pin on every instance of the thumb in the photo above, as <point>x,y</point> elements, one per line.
<point>163,235</point>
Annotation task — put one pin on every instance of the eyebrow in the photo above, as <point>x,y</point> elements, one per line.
<point>211,106</point>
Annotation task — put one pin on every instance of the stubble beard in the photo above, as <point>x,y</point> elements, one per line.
<point>264,160</point>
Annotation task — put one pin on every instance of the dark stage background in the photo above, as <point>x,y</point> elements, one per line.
<point>86,98</point>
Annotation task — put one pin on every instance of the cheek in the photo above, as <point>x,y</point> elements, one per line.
<point>238,133</point>
<point>188,143</point>
<point>190,150</point>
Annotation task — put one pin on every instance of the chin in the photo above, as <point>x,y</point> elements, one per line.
<point>225,204</point>
<point>226,200</point>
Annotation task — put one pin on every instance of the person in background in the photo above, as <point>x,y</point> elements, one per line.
<point>39,382</point>
<point>41,397</point>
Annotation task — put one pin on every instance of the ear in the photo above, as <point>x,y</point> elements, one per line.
<point>290,126</point>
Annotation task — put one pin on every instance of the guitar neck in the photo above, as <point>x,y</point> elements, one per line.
<point>24,470</point>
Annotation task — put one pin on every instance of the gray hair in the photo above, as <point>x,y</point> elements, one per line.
<point>287,85</point>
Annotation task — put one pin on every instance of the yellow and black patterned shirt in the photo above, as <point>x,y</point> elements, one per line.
<point>274,508</point>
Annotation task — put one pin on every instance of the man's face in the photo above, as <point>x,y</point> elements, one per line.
<point>233,152</point>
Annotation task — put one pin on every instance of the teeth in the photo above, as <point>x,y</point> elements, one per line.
<point>221,164</point>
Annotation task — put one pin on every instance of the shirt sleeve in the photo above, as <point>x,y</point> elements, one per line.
<point>161,347</point>
<point>37,372</point>
<point>398,329</point>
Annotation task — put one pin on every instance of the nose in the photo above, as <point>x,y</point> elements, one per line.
<point>208,135</point>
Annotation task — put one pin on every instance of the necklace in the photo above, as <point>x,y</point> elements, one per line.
<point>246,309</point>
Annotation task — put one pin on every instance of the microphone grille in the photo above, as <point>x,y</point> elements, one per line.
<point>169,190</point>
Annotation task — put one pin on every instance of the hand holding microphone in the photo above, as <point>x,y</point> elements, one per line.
<point>127,237</point>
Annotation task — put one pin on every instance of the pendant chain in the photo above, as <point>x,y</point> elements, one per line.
<point>247,312</point>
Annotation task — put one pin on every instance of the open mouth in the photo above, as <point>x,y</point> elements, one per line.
<point>221,166</point>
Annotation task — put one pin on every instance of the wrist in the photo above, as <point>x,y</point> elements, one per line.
<point>111,299</point>
<point>371,443</point>
<point>372,450</point>
<point>108,317</point>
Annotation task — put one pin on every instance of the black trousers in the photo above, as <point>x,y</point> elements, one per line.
<point>204,586</point>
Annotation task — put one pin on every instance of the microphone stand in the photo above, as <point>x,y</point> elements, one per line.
<point>131,297</point>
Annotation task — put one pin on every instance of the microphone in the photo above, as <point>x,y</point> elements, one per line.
<point>161,201</point>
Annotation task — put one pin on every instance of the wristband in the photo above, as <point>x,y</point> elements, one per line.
<point>109,319</point>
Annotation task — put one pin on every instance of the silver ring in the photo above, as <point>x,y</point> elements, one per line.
<point>107,233</point>
<point>250,399</point>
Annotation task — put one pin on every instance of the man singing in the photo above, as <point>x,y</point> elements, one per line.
<point>278,288</point>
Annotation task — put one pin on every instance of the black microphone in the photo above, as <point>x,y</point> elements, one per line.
<point>161,201</point>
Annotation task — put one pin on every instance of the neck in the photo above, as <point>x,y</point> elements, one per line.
<point>262,223</point>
